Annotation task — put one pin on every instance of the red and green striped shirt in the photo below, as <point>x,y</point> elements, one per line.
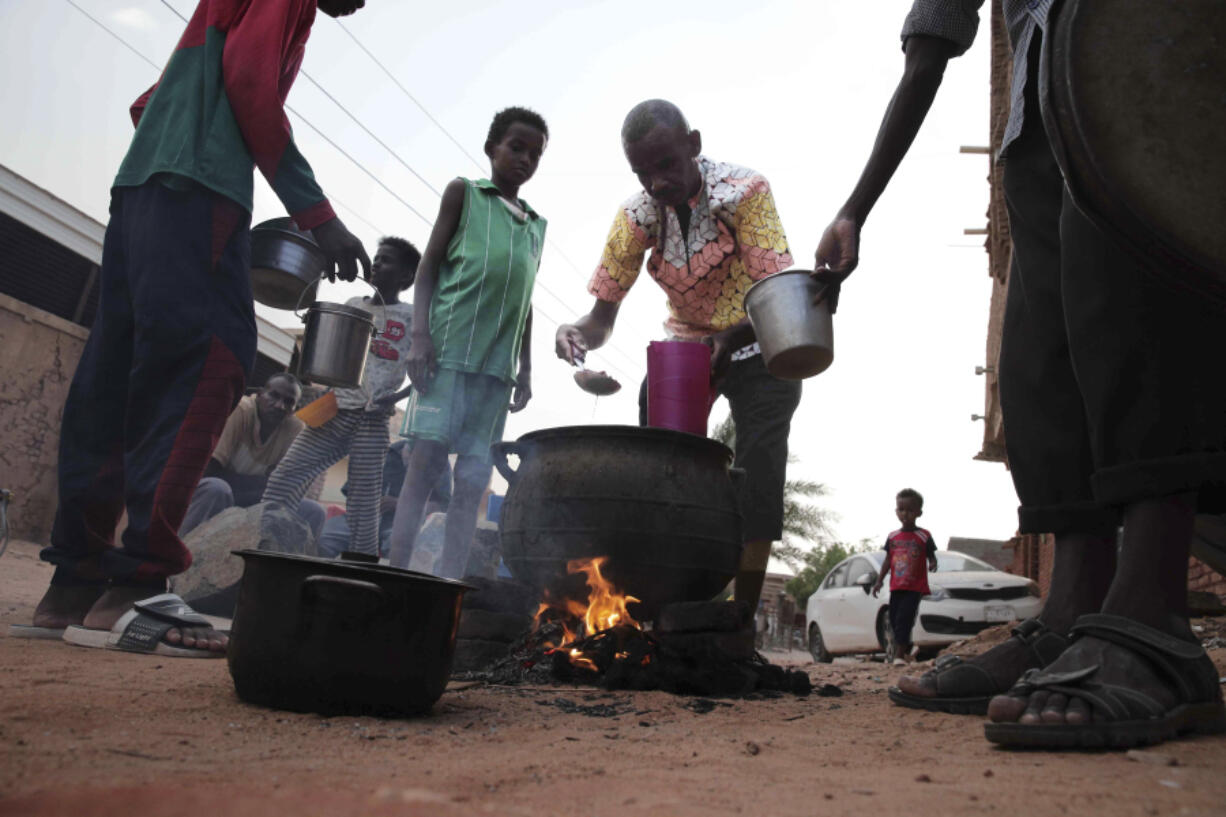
<point>218,108</point>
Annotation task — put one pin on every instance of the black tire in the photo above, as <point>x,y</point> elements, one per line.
<point>885,636</point>
<point>817,647</point>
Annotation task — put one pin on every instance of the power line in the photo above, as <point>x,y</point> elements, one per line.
<point>405,91</point>
<point>337,147</point>
<point>387,72</point>
<point>340,150</point>
<point>119,39</point>
<point>347,113</point>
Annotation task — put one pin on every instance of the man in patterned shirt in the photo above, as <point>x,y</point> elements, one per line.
<point>712,231</point>
<point>1113,416</point>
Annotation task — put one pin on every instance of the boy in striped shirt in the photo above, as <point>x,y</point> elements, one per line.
<point>470,361</point>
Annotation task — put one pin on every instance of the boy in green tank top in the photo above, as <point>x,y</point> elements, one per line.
<point>470,361</point>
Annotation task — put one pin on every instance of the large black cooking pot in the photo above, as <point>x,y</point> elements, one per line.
<point>661,505</point>
<point>334,636</point>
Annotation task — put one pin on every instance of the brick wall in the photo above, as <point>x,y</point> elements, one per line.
<point>1032,557</point>
<point>1202,577</point>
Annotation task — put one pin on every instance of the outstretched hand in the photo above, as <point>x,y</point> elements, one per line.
<point>838,254</point>
<point>343,249</point>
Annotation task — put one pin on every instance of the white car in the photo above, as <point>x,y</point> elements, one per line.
<point>967,596</point>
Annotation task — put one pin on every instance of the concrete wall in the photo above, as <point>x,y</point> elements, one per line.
<point>38,355</point>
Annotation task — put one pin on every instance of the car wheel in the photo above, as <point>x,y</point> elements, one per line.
<point>817,647</point>
<point>885,636</point>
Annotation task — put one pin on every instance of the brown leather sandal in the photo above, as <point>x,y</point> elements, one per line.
<point>964,686</point>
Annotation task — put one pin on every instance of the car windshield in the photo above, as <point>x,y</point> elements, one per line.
<point>959,563</point>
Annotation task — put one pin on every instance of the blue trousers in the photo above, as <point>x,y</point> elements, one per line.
<point>166,360</point>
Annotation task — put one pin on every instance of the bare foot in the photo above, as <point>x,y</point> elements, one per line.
<point>62,607</point>
<point>118,600</point>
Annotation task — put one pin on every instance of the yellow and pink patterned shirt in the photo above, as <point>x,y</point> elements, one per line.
<point>735,239</point>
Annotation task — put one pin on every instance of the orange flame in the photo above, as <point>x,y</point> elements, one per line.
<point>604,609</point>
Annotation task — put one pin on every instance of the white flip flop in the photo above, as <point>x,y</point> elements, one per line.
<point>44,633</point>
<point>141,629</point>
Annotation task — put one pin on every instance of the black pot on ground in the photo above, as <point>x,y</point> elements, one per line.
<point>341,637</point>
<point>662,505</point>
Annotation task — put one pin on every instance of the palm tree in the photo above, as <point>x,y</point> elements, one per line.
<point>806,525</point>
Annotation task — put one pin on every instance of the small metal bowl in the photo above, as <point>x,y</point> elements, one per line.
<point>285,264</point>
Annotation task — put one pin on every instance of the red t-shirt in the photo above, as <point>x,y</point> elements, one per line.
<point>908,553</point>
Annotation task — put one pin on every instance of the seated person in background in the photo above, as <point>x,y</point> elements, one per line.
<point>335,537</point>
<point>257,434</point>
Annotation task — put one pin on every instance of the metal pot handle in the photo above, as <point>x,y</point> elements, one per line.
<point>369,594</point>
<point>500,451</point>
<point>321,278</point>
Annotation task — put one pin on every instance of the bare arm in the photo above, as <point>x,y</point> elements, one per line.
<point>421,359</point>
<point>523,379</point>
<point>592,331</point>
<point>885,568</point>
<point>838,252</point>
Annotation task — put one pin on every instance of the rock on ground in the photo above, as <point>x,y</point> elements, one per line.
<point>215,570</point>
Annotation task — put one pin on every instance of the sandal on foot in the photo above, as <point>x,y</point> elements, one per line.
<point>1123,716</point>
<point>964,687</point>
<point>141,629</point>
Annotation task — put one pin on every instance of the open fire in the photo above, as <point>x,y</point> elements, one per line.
<point>576,621</point>
<point>695,648</point>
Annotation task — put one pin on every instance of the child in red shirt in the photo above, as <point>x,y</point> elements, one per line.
<point>910,553</point>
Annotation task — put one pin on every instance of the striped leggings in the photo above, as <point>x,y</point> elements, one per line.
<point>363,435</point>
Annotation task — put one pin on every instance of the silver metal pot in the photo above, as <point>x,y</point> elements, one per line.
<point>797,338</point>
<point>334,344</point>
<point>286,263</point>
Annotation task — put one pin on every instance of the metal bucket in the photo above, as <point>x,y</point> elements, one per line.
<point>335,344</point>
<point>285,263</point>
<point>797,338</point>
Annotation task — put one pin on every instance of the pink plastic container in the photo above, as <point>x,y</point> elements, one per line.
<point>679,394</point>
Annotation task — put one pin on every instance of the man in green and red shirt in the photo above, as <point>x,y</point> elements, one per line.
<point>175,335</point>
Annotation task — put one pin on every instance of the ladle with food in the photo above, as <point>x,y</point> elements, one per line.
<point>591,381</point>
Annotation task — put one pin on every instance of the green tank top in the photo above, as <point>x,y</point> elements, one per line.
<point>484,288</point>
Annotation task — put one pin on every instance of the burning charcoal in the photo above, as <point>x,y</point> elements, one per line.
<point>799,683</point>
<point>490,626</point>
<point>500,596</point>
<point>710,646</point>
<point>473,654</point>
<point>704,616</point>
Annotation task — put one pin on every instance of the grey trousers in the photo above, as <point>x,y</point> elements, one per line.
<point>213,495</point>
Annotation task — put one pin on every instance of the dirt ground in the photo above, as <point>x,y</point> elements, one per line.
<point>91,732</point>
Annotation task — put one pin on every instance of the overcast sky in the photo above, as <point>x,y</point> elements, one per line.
<point>792,89</point>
